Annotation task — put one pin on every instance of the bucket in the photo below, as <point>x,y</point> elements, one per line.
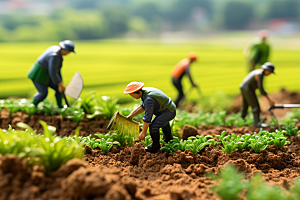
<point>123,125</point>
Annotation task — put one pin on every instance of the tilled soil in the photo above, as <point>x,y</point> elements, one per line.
<point>131,173</point>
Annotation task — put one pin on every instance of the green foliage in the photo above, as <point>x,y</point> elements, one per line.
<point>122,140</point>
<point>258,141</point>
<point>291,130</point>
<point>230,183</point>
<point>260,190</point>
<point>148,140</point>
<point>47,150</point>
<point>279,139</point>
<point>105,142</point>
<point>94,106</point>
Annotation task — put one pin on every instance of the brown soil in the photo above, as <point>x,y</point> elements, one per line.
<point>131,173</point>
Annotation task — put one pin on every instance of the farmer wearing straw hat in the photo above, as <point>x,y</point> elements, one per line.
<point>253,81</point>
<point>182,68</point>
<point>258,51</point>
<point>45,72</point>
<point>154,102</point>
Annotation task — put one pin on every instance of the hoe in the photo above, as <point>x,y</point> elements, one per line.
<point>282,106</point>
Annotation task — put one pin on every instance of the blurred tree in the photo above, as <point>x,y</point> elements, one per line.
<point>138,25</point>
<point>83,4</point>
<point>237,14</point>
<point>117,17</point>
<point>284,9</point>
<point>179,11</point>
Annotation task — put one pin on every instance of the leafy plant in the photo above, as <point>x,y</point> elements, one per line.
<point>259,190</point>
<point>229,184</point>
<point>122,140</point>
<point>291,130</point>
<point>279,139</point>
<point>148,140</point>
<point>258,143</point>
<point>106,145</point>
<point>171,146</point>
<point>49,150</point>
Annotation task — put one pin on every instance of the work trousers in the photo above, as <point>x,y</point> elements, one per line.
<point>178,85</point>
<point>161,120</point>
<point>249,98</point>
<point>43,91</point>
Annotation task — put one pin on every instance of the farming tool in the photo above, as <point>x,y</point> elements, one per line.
<point>123,125</point>
<point>74,88</point>
<point>282,106</point>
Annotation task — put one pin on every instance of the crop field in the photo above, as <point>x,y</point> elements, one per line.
<point>68,153</point>
<point>107,66</point>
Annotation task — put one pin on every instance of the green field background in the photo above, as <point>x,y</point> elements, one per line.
<point>107,66</point>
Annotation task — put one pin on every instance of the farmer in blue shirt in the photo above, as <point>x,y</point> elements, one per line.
<point>154,102</point>
<point>45,72</point>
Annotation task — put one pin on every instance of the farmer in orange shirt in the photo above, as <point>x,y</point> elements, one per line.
<point>182,68</point>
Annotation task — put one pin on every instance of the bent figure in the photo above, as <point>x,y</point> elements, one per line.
<point>182,68</point>
<point>154,102</point>
<point>258,51</point>
<point>248,86</point>
<point>45,72</point>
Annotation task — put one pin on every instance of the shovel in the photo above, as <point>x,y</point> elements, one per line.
<point>74,88</point>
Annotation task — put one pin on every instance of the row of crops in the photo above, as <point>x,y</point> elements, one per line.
<point>91,106</point>
<point>52,150</point>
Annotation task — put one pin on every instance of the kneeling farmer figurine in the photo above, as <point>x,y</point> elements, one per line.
<point>154,102</point>
<point>252,81</point>
<point>45,72</point>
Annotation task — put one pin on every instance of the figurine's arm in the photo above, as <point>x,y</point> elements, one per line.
<point>135,112</point>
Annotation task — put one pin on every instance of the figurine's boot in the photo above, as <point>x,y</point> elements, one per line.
<point>167,132</point>
<point>257,122</point>
<point>35,102</point>
<point>155,146</point>
<point>59,101</point>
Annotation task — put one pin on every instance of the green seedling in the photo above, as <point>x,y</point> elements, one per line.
<point>291,130</point>
<point>259,190</point>
<point>122,140</point>
<point>106,145</point>
<point>258,143</point>
<point>230,183</point>
<point>148,140</point>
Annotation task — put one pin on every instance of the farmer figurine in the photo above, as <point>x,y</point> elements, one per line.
<point>45,72</point>
<point>257,52</point>
<point>252,81</point>
<point>154,102</point>
<point>182,68</point>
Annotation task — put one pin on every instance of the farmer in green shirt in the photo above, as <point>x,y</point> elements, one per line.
<point>154,102</point>
<point>45,72</point>
<point>258,51</point>
<point>253,81</point>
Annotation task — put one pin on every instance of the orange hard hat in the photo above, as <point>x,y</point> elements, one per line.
<point>133,87</point>
<point>263,33</point>
<point>192,55</point>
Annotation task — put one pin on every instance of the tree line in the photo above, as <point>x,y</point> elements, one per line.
<point>97,19</point>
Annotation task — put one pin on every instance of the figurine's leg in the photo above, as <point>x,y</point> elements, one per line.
<point>41,94</point>
<point>178,85</point>
<point>58,95</point>
<point>158,122</point>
